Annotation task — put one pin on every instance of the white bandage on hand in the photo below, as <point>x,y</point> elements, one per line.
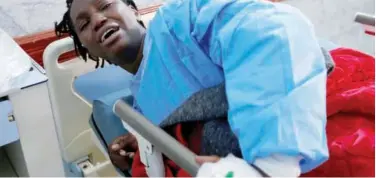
<point>231,166</point>
<point>280,165</point>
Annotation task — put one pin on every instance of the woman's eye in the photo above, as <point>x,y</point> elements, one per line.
<point>83,26</point>
<point>106,6</point>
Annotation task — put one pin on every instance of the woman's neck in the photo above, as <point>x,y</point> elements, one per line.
<point>133,68</point>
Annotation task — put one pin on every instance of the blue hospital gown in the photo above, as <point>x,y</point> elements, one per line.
<point>269,58</point>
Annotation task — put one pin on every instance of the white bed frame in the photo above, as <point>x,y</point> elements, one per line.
<point>72,112</point>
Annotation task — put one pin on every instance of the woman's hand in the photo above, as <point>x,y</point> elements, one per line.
<point>122,151</point>
<point>207,159</point>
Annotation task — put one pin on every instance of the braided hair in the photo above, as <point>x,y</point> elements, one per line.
<point>66,27</point>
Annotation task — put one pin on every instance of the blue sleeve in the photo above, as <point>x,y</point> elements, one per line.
<point>275,80</point>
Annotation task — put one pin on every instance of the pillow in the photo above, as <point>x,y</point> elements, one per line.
<point>106,123</point>
<point>101,82</point>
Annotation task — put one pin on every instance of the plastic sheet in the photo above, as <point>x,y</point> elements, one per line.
<point>275,75</point>
<point>13,61</point>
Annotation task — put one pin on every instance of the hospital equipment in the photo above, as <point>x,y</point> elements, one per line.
<point>13,63</point>
<point>26,116</point>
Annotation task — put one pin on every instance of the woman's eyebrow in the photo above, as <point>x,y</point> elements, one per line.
<point>81,15</point>
<point>97,3</point>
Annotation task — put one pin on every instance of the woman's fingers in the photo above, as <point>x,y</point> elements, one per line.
<point>115,147</point>
<point>120,161</point>
<point>131,155</point>
<point>126,142</point>
<point>207,159</point>
<point>122,153</point>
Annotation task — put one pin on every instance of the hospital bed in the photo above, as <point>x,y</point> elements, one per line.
<point>79,95</point>
<point>82,116</point>
<point>87,118</point>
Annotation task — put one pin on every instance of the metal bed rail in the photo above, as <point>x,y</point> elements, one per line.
<point>162,141</point>
<point>365,19</point>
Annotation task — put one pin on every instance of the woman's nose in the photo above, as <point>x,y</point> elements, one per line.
<point>99,21</point>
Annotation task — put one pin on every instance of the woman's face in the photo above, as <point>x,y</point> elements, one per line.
<point>108,29</point>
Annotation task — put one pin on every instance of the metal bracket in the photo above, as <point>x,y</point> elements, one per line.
<point>83,166</point>
<point>11,117</point>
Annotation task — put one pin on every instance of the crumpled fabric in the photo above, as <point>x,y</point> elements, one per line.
<point>350,128</point>
<point>258,50</point>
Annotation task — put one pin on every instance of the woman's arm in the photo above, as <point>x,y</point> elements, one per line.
<point>206,104</point>
<point>275,79</point>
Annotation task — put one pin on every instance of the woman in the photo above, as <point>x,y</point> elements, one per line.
<point>266,54</point>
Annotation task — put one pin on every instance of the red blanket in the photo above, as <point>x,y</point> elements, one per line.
<point>351,112</point>
<point>350,126</point>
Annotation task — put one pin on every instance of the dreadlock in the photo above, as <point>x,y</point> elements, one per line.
<point>66,27</point>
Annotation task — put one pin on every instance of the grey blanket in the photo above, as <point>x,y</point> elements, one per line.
<point>210,106</point>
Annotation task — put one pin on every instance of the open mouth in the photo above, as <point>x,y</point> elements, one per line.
<point>107,34</point>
